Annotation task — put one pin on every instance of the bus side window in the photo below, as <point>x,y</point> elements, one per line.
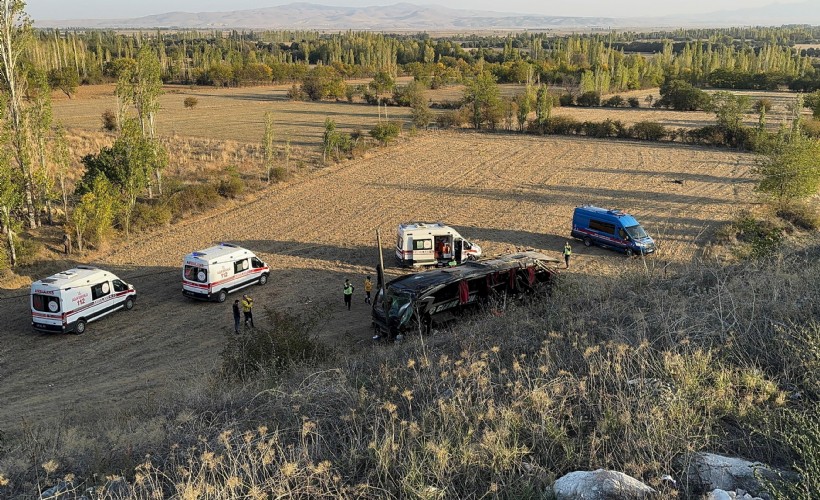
<point>240,265</point>
<point>100,290</point>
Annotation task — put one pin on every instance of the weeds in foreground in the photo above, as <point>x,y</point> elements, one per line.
<point>627,373</point>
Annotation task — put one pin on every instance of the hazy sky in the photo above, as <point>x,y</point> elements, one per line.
<point>108,9</point>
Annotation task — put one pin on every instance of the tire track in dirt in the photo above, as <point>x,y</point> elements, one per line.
<point>505,191</point>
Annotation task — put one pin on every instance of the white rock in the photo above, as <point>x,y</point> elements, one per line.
<point>718,494</point>
<point>599,485</point>
<point>708,472</point>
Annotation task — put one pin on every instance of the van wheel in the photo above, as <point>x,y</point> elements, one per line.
<point>628,252</point>
<point>129,304</point>
<point>587,242</point>
<point>222,296</point>
<point>79,328</point>
<point>263,279</point>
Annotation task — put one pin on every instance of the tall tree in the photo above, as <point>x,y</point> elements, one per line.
<point>483,98</point>
<point>267,144</point>
<point>15,36</point>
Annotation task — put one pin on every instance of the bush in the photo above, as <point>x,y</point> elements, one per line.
<point>562,125</point>
<point>710,135</point>
<point>147,216</point>
<point>648,131</point>
<point>385,132</point>
<point>589,99</point>
<point>295,93</point>
<point>566,100</point>
<point>271,351</point>
<point>811,128</point>
<point>190,102</point>
<point>193,198</point>
<point>801,215</point>
<point>615,101</point>
<point>757,237</point>
<point>109,120</point>
<point>230,187</point>
<point>26,249</point>
<point>633,102</point>
<point>682,96</point>
<point>279,174</point>
<point>601,130</point>
<point>450,119</point>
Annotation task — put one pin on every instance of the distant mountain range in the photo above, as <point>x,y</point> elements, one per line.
<point>411,17</point>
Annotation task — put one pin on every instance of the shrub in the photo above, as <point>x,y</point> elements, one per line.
<point>295,93</point>
<point>271,351</point>
<point>385,132</point>
<point>589,99</point>
<point>230,187</point>
<point>811,128</point>
<point>109,120</point>
<point>634,102</point>
<point>190,102</point>
<point>648,131</point>
<point>566,99</point>
<point>757,237</point>
<point>562,125</point>
<point>193,198</point>
<point>615,101</point>
<point>710,135</point>
<point>26,250</point>
<point>147,216</point>
<point>601,130</point>
<point>802,215</point>
<point>450,119</point>
<point>682,96</point>
<point>279,174</point>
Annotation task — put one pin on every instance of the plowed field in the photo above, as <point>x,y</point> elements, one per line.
<point>505,192</point>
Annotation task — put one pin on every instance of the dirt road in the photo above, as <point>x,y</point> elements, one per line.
<point>503,191</point>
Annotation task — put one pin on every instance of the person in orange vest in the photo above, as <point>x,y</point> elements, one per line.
<point>348,293</point>
<point>368,287</point>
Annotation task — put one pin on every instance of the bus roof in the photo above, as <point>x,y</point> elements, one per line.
<point>79,275</point>
<point>215,253</point>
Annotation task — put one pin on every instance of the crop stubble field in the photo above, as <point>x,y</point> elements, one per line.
<point>506,192</point>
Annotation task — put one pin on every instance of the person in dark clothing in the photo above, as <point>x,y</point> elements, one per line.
<point>236,316</point>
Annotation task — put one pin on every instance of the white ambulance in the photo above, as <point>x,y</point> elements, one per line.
<point>67,301</point>
<point>213,273</point>
<point>430,244</point>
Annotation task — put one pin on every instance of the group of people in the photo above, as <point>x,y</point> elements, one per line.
<point>246,307</point>
<point>246,304</point>
<point>347,291</point>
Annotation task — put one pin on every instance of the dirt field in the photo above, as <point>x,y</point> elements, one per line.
<point>228,114</point>
<point>504,191</point>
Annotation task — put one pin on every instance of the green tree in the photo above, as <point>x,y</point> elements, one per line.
<point>65,79</point>
<point>10,200</point>
<point>682,96</point>
<point>543,106</point>
<point>524,102</point>
<point>93,216</point>
<point>483,98</point>
<point>267,144</point>
<point>323,82</point>
<point>791,171</point>
<point>385,131</point>
<point>382,82</point>
<point>15,38</point>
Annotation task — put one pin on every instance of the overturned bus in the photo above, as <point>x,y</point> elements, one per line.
<point>420,300</point>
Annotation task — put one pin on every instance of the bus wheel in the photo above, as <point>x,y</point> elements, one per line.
<point>628,252</point>
<point>263,279</point>
<point>222,296</point>
<point>587,242</point>
<point>129,304</point>
<point>79,328</point>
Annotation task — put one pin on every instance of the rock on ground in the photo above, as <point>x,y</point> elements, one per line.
<point>600,485</point>
<point>707,472</point>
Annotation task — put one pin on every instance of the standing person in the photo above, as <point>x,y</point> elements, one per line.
<point>348,292</point>
<point>247,308</point>
<point>567,253</point>
<point>236,316</point>
<point>368,287</point>
<point>66,243</point>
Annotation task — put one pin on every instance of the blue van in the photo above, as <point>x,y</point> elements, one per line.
<point>610,229</point>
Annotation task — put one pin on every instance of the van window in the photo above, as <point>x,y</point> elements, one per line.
<point>45,303</point>
<point>256,263</point>
<point>621,233</point>
<point>119,286</point>
<point>400,243</point>
<point>604,227</point>
<point>422,244</point>
<point>240,265</point>
<point>100,290</point>
<point>192,273</point>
